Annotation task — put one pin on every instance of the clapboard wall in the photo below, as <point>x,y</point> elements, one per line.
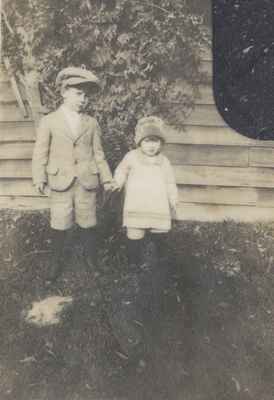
<point>220,173</point>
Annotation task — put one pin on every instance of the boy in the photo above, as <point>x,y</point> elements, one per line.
<point>69,158</point>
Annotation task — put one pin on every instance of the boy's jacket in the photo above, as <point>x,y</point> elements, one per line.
<point>59,155</point>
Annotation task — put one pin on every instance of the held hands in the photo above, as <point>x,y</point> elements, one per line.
<point>111,186</point>
<point>108,186</point>
<point>115,186</point>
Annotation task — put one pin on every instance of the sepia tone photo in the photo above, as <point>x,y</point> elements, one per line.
<point>136,202</point>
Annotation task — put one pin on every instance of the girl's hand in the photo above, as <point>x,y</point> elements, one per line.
<point>107,186</point>
<point>115,186</point>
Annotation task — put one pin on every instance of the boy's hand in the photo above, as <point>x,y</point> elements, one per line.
<point>108,186</point>
<point>40,187</point>
<point>173,207</point>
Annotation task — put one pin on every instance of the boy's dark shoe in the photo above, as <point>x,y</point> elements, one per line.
<point>57,268</point>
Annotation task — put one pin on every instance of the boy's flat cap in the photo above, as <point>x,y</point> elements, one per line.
<point>72,76</point>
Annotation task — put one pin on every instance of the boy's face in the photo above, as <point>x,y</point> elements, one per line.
<point>74,98</point>
<point>151,146</point>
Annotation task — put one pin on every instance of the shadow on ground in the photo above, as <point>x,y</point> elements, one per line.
<point>200,329</point>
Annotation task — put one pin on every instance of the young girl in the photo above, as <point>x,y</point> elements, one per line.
<point>150,189</point>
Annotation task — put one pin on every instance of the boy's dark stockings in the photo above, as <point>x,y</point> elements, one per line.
<point>58,242</point>
<point>88,237</point>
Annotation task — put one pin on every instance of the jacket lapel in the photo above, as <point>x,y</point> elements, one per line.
<point>82,128</point>
<point>63,125</point>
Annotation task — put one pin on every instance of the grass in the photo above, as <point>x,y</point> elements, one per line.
<point>205,334</point>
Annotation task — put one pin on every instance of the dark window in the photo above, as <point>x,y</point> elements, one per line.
<point>243,49</point>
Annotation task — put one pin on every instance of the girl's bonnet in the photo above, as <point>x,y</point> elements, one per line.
<point>149,126</point>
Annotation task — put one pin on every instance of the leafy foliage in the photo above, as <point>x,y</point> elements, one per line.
<point>141,51</point>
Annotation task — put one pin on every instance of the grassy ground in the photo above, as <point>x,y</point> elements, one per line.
<point>206,334</point>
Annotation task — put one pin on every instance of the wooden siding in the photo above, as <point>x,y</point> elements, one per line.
<point>219,212</point>
<point>11,112</point>
<point>205,114</point>
<point>17,131</point>
<point>24,203</point>
<point>196,154</point>
<point>225,176</point>
<point>220,173</point>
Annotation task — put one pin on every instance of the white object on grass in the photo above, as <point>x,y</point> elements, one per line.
<point>48,311</point>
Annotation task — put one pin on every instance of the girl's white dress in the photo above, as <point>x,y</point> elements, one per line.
<point>150,190</point>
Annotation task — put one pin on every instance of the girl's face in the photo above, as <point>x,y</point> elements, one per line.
<point>151,146</point>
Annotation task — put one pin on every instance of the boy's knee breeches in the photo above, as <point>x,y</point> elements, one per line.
<point>76,204</point>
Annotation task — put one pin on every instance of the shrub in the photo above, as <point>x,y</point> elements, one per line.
<point>140,50</point>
